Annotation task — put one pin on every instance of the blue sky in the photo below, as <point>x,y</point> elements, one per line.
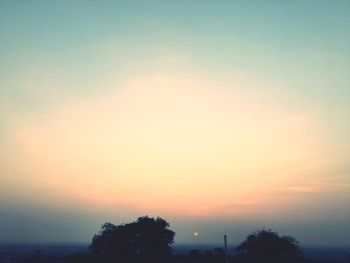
<point>105,103</point>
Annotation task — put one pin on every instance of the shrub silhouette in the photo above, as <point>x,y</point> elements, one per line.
<point>268,246</point>
<point>145,240</point>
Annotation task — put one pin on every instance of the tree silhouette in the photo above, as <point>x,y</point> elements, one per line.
<point>268,246</point>
<point>146,240</point>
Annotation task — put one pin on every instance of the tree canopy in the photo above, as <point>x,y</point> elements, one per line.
<point>145,240</point>
<point>268,246</point>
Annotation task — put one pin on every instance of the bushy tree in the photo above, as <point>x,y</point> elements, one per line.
<point>145,240</point>
<point>268,246</point>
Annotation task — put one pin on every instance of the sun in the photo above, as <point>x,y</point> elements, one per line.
<point>195,234</point>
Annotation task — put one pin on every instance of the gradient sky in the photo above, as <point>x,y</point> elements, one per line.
<point>219,116</point>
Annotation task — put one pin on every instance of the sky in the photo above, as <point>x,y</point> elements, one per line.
<point>221,117</point>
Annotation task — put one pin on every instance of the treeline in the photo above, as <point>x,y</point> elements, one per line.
<point>150,240</point>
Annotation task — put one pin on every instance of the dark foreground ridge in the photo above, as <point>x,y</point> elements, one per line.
<point>150,240</point>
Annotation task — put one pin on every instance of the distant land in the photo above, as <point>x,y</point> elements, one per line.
<point>17,250</point>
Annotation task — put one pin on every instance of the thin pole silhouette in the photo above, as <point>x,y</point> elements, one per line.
<point>225,242</point>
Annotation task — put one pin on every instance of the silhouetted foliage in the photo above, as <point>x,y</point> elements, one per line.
<point>146,240</point>
<point>268,246</point>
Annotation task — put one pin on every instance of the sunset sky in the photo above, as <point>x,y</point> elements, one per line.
<point>219,116</point>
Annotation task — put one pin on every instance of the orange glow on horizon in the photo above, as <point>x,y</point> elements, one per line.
<point>169,143</point>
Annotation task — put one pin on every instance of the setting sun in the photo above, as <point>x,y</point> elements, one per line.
<point>195,234</point>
